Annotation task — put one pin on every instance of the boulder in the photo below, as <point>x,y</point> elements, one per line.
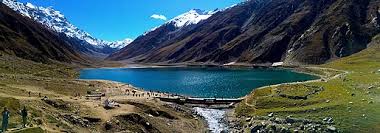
<point>331,129</point>
<point>270,114</point>
<point>290,120</point>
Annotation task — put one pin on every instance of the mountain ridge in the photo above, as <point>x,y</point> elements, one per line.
<point>57,22</point>
<point>171,29</point>
<point>259,32</point>
<point>29,40</point>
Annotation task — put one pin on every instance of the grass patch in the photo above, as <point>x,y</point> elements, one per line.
<point>352,99</point>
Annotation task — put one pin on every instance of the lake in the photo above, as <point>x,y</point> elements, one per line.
<point>197,82</point>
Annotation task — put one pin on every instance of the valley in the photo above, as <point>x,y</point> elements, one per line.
<point>267,53</point>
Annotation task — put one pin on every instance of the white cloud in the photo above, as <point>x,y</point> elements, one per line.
<point>158,16</point>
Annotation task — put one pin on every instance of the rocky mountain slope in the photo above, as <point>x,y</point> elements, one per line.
<point>156,37</point>
<point>257,31</point>
<point>57,22</point>
<point>27,39</point>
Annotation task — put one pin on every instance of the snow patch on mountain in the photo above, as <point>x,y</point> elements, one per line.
<point>191,17</point>
<point>57,22</point>
<point>120,44</point>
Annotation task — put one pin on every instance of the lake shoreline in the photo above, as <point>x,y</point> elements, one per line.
<point>295,69</point>
<point>228,116</point>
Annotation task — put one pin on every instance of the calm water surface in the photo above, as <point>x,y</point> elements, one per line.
<point>197,82</point>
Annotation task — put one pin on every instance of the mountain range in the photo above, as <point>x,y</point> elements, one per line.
<point>27,39</point>
<point>156,37</point>
<point>57,22</point>
<point>295,32</point>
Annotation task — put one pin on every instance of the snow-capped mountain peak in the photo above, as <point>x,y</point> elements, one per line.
<point>191,17</point>
<point>57,22</point>
<point>120,44</point>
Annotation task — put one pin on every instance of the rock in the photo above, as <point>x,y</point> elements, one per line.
<point>279,121</point>
<point>250,124</point>
<point>289,120</point>
<point>108,125</point>
<point>224,131</point>
<point>327,101</point>
<point>331,128</point>
<point>270,114</point>
<point>271,127</point>
<point>248,119</point>
<point>284,130</point>
<point>38,121</point>
<point>256,128</point>
<point>351,102</point>
<point>92,119</point>
<point>328,120</point>
<point>76,120</point>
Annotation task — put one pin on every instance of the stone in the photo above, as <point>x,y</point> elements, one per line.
<point>328,120</point>
<point>270,114</point>
<point>108,125</point>
<point>248,119</point>
<point>284,130</point>
<point>93,119</point>
<point>290,120</point>
<point>256,128</point>
<point>331,128</point>
<point>301,127</point>
<point>279,121</point>
<point>271,127</point>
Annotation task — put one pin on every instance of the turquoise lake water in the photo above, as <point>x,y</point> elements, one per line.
<point>197,82</point>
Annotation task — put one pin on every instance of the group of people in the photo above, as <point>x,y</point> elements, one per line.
<point>149,94</point>
<point>6,115</point>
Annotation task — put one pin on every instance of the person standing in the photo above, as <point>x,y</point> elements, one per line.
<point>24,115</point>
<point>6,115</point>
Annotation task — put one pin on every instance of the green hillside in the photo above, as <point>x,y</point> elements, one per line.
<point>351,97</point>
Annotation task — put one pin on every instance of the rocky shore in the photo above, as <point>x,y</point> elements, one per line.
<point>271,123</point>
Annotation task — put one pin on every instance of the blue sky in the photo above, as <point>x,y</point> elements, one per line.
<point>119,19</point>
